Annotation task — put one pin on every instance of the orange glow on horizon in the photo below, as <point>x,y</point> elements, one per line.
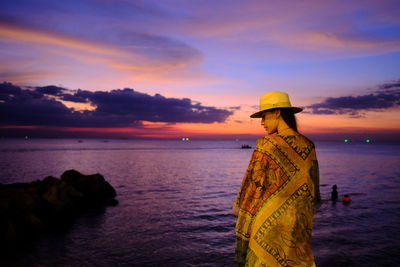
<point>239,125</point>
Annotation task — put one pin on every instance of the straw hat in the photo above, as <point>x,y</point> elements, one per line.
<point>272,100</point>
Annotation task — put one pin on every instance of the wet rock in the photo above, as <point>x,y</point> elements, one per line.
<point>95,189</point>
<point>30,209</point>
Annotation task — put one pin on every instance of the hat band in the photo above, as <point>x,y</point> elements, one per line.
<point>275,105</point>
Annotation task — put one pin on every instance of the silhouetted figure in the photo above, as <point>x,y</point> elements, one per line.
<point>334,194</point>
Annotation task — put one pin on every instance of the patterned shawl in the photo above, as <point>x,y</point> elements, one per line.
<point>276,203</point>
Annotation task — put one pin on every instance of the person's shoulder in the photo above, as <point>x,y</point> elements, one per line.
<point>297,140</point>
<point>277,139</point>
<point>265,140</point>
<point>264,144</point>
<point>308,144</point>
<point>308,140</point>
<point>260,141</point>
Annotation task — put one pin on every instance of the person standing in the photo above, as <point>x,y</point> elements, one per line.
<point>334,193</point>
<point>276,201</point>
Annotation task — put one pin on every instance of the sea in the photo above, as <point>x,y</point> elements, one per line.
<point>175,201</point>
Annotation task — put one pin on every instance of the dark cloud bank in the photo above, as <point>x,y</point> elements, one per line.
<point>40,106</point>
<point>386,96</point>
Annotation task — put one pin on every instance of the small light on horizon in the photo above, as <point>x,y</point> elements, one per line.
<point>367,140</point>
<point>26,137</point>
<point>346,140</point>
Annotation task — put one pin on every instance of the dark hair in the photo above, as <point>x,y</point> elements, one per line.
<point>288,116</point>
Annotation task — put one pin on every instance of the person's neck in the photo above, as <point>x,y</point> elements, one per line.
<point>284,129</point>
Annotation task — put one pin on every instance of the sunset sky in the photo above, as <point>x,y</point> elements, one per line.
<point>171,69</point>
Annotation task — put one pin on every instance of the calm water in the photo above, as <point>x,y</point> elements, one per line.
<point>175,200</point>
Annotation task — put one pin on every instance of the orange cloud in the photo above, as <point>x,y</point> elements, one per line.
<point>25,77</point>
<point>36,36</point>
<point>315,40</point>
<point>92,52</point>
<point>117,57</point>
<point>322,26</point>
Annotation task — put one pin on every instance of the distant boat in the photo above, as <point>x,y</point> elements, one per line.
<point>245,146</point>
<point>80,141</point>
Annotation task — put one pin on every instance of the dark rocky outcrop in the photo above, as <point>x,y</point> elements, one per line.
<point>95,190</point>
<point>30,209</point>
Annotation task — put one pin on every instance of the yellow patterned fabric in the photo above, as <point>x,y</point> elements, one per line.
<point>276,203</point>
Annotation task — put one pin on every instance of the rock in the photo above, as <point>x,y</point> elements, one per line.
<point>95,190</point>
<point>63,200</point>
<point>29,209</point>
<point>20,218</point>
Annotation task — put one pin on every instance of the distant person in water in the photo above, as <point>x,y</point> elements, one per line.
<point>276,201</point>
<point>334,194</point>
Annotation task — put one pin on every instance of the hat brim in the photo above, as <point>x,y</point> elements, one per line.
<point>259,114</point>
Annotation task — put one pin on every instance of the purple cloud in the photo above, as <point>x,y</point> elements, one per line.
<point>116,108</point>
<point>386,96</point>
